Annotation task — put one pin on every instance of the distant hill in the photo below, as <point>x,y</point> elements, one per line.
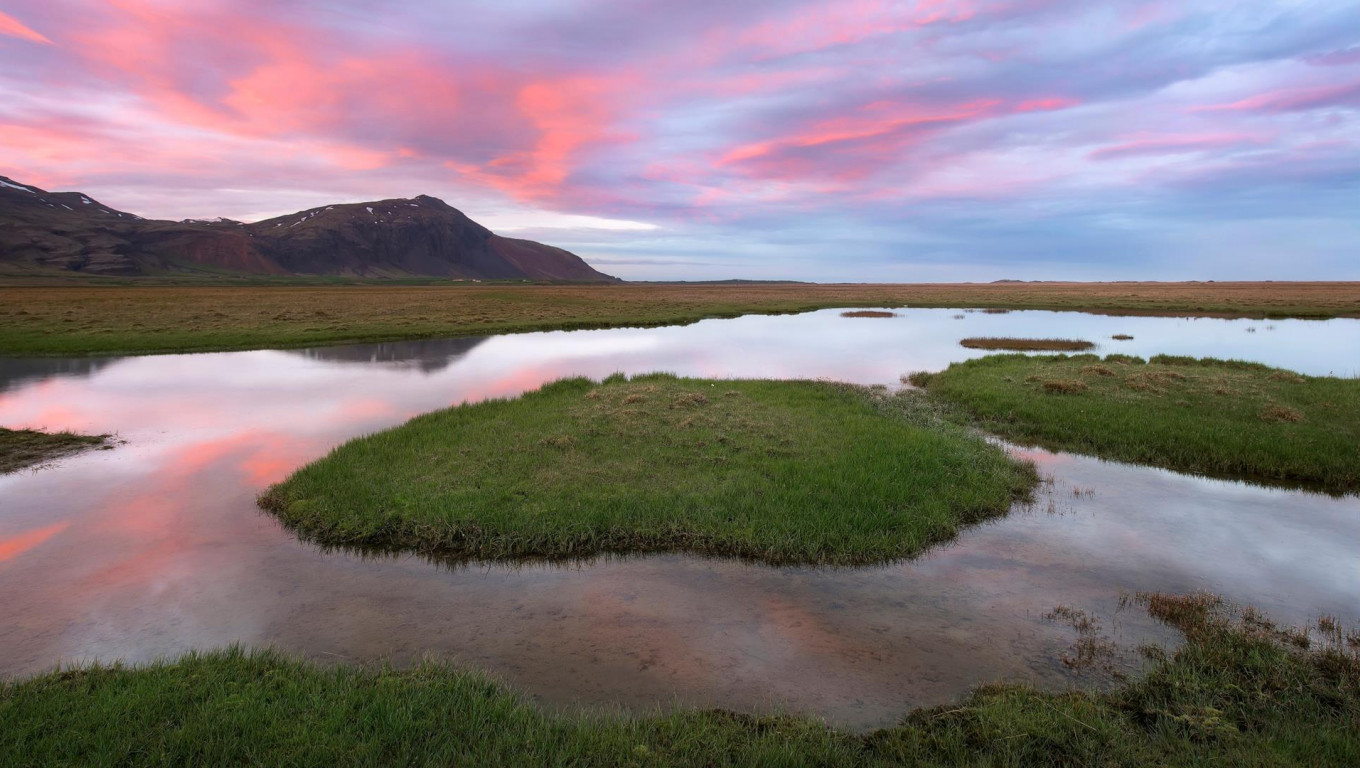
<point>63,232</point>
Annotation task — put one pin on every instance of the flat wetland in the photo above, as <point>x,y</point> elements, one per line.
<point>1239,691</point>
<point>760,567</point>
<point>128,319</point>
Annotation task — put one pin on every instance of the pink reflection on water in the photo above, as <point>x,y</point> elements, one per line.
<point>13,546</point>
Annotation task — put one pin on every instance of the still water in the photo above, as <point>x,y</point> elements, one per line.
<point>157,547</point>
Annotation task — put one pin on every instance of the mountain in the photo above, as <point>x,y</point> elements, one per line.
<point>43,232</point>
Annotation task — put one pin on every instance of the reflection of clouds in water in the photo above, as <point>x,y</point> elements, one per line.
<point>157,547</point>
<point>19,543</point>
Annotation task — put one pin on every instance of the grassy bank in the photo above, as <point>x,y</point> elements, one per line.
<point>80,320</point>
<point>779,471</point>
<point>1238,692</point>
<point>24,448</point>
<point>1205,416</point>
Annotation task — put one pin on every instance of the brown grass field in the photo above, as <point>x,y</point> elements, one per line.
<point>131,319</point>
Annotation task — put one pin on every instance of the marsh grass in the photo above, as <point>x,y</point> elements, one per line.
<point>1026,345</point>
<point>1214,417</point>
<point>137,317</point>
<point>1238,691</point>
<point>25,448</point>
<point>779,471</point>
<point>868,313</point>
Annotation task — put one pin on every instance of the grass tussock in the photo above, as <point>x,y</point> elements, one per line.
<point>1214,417</point>
<point>1122,337</point>
<point>1238,691</point>
<point>1026,345</point>
<point>1064,386</point>
<point>25,448</point>
<point>1281,413</point>
<point>785,472</point>
<point>868,313</point>
<point>144,317</point>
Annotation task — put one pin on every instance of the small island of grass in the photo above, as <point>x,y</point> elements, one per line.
<point>868,313</point>
<point>779,471</point>
<point>1213,417</point>
<point>24,448</point>
<point>1026,345</point>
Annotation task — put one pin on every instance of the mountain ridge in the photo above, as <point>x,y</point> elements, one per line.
<point>70,232</point>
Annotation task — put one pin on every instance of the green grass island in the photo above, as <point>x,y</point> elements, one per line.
<point>1212,417</point>
<point>776,471</point>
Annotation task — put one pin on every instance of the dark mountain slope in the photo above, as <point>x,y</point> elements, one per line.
<point>42,232</point>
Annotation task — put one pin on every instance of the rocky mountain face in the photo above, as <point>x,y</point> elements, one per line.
<point>46,232</point>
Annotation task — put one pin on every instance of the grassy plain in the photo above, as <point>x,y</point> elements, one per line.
<point>1239,691</point>
<point>1214,417</point>
<point>790,471</point>
<point>23,448</point>
<point>133,319</point>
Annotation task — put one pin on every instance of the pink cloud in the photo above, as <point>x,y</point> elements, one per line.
<point>1173,144</point>
<point>1294,100</point>
<point>1046,104</point>
<point>819,26</point>
<point>851,147</point>
<point>14,28</point>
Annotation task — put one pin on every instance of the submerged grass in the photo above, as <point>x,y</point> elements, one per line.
<point>780,471</point>
<point>23,448</point>
<point>1238,691</point>
<point>142,318</point>
<point>1215,417</point>
<point>1052,345</point>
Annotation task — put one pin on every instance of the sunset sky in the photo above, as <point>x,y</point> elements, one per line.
<point>693,139</point>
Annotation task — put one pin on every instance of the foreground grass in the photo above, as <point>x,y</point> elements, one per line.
<point>790,471</point>
<point>79,320</point>
<point>23,448</point>
<point>1025,345</point>
<point>1212,417</point>
<point>1239,691</point>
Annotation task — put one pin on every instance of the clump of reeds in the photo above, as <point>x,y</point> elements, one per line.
<point>689,400</point>
<point>1275,412</point>
<point>868,313</point>
<point>1026,345</point>
<point>1064,386</point>
<point>1122,337</point>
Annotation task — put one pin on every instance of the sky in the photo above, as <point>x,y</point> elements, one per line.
<point>856,140</point>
